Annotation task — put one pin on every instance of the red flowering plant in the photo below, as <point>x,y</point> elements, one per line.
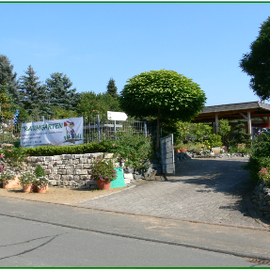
<point>264,175</point>
<point>103,170</point>
<point>13,156</point>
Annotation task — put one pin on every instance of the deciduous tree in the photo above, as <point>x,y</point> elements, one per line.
<point>256,63</point>
<point>163,94</point>
<point>91,101</point>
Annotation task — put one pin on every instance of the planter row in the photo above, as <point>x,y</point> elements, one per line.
<point>28,188</point>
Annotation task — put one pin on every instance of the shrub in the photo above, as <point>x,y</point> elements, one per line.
<point>213,140</point>
<point>27,177</point>
<point>7,175</point>
<point>39,171</point>
<point>260,157</point>
<point>13,156</point>
<point>133,149</point>
<point>264,175</point>
<point>103,170</point>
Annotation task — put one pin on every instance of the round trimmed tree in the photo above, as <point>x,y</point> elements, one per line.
<point>163,94</point>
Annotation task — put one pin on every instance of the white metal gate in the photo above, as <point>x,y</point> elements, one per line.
<point>167,155</point>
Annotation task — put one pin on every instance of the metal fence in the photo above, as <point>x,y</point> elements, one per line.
<point>96,128</point>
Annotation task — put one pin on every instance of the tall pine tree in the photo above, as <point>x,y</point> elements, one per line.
<point>111,88</point>
<point>33,93</point>
<point>60,92</point>
<point>8,82</point>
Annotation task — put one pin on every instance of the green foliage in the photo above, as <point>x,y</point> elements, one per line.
<point>61,113</point>
<point>176,96</point>
<point>213,140</point>
<point>103,170</point>
<point>256,63</point>
<point>264,175</point>
<point>7,107</point>
<point>39,171</point>
<point>224,130</point>
<point>8,80</point>
<point>27,177</point>
<point>260,157</point>
<point>102,103</point>
<point>7,175</point>
<point>163,94</point>
<point>41,181</point>
<point>133,149</point>
<point>240,135</point>
<point>13,156</point>
<point>67,149</point>
<point>111,88</point>
<point>32,92</point>
<point>194,132</point>
<point>194,147</point>
<point>61,93</point>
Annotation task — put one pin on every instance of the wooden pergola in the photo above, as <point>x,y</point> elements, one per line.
<point>247,110</point>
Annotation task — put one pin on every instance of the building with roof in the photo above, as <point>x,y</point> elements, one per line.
<point>256,114</point>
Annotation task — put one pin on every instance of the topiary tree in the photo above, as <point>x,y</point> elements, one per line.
<point>163,94</point>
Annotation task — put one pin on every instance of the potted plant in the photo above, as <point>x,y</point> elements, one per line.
<point>27,180</point>
<point>103,173</point>
<point>39,172</point>
<point>7,178</point>
<point>42,184</point>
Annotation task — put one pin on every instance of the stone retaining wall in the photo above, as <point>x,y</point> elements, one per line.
<point>74,170</point>
<point>261,200</point>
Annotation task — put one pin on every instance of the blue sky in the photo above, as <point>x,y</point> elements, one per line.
<point>93,42</point>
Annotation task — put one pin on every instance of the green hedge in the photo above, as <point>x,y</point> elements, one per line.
<point>260,157</point>
<point>69,149</point>
<point>133,149</point>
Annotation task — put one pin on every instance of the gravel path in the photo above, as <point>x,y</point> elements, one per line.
<point>203,190</point>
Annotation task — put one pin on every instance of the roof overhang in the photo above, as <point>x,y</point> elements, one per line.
<point>233,111</point>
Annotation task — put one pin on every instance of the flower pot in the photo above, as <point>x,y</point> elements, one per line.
<point>28,188</point>
<point>104,185</point>
<point>12,183</point>
<point>42,189</point>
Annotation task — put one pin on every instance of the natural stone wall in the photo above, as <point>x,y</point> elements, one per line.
<point>67,170</point>
<point>261,200</point>
<point>74,170</point>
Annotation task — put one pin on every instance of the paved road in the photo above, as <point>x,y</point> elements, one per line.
<point>210,190</point>
<point>46,245</point>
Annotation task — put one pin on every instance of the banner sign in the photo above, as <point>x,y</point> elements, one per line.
<point>52,132</point>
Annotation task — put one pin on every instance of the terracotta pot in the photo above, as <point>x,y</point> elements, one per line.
<point>28,188</point>
<point>12,183</point>
<point>104,185</point>
<point>184,149</point>
<point>42,189</point>
<point>34,188</point>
